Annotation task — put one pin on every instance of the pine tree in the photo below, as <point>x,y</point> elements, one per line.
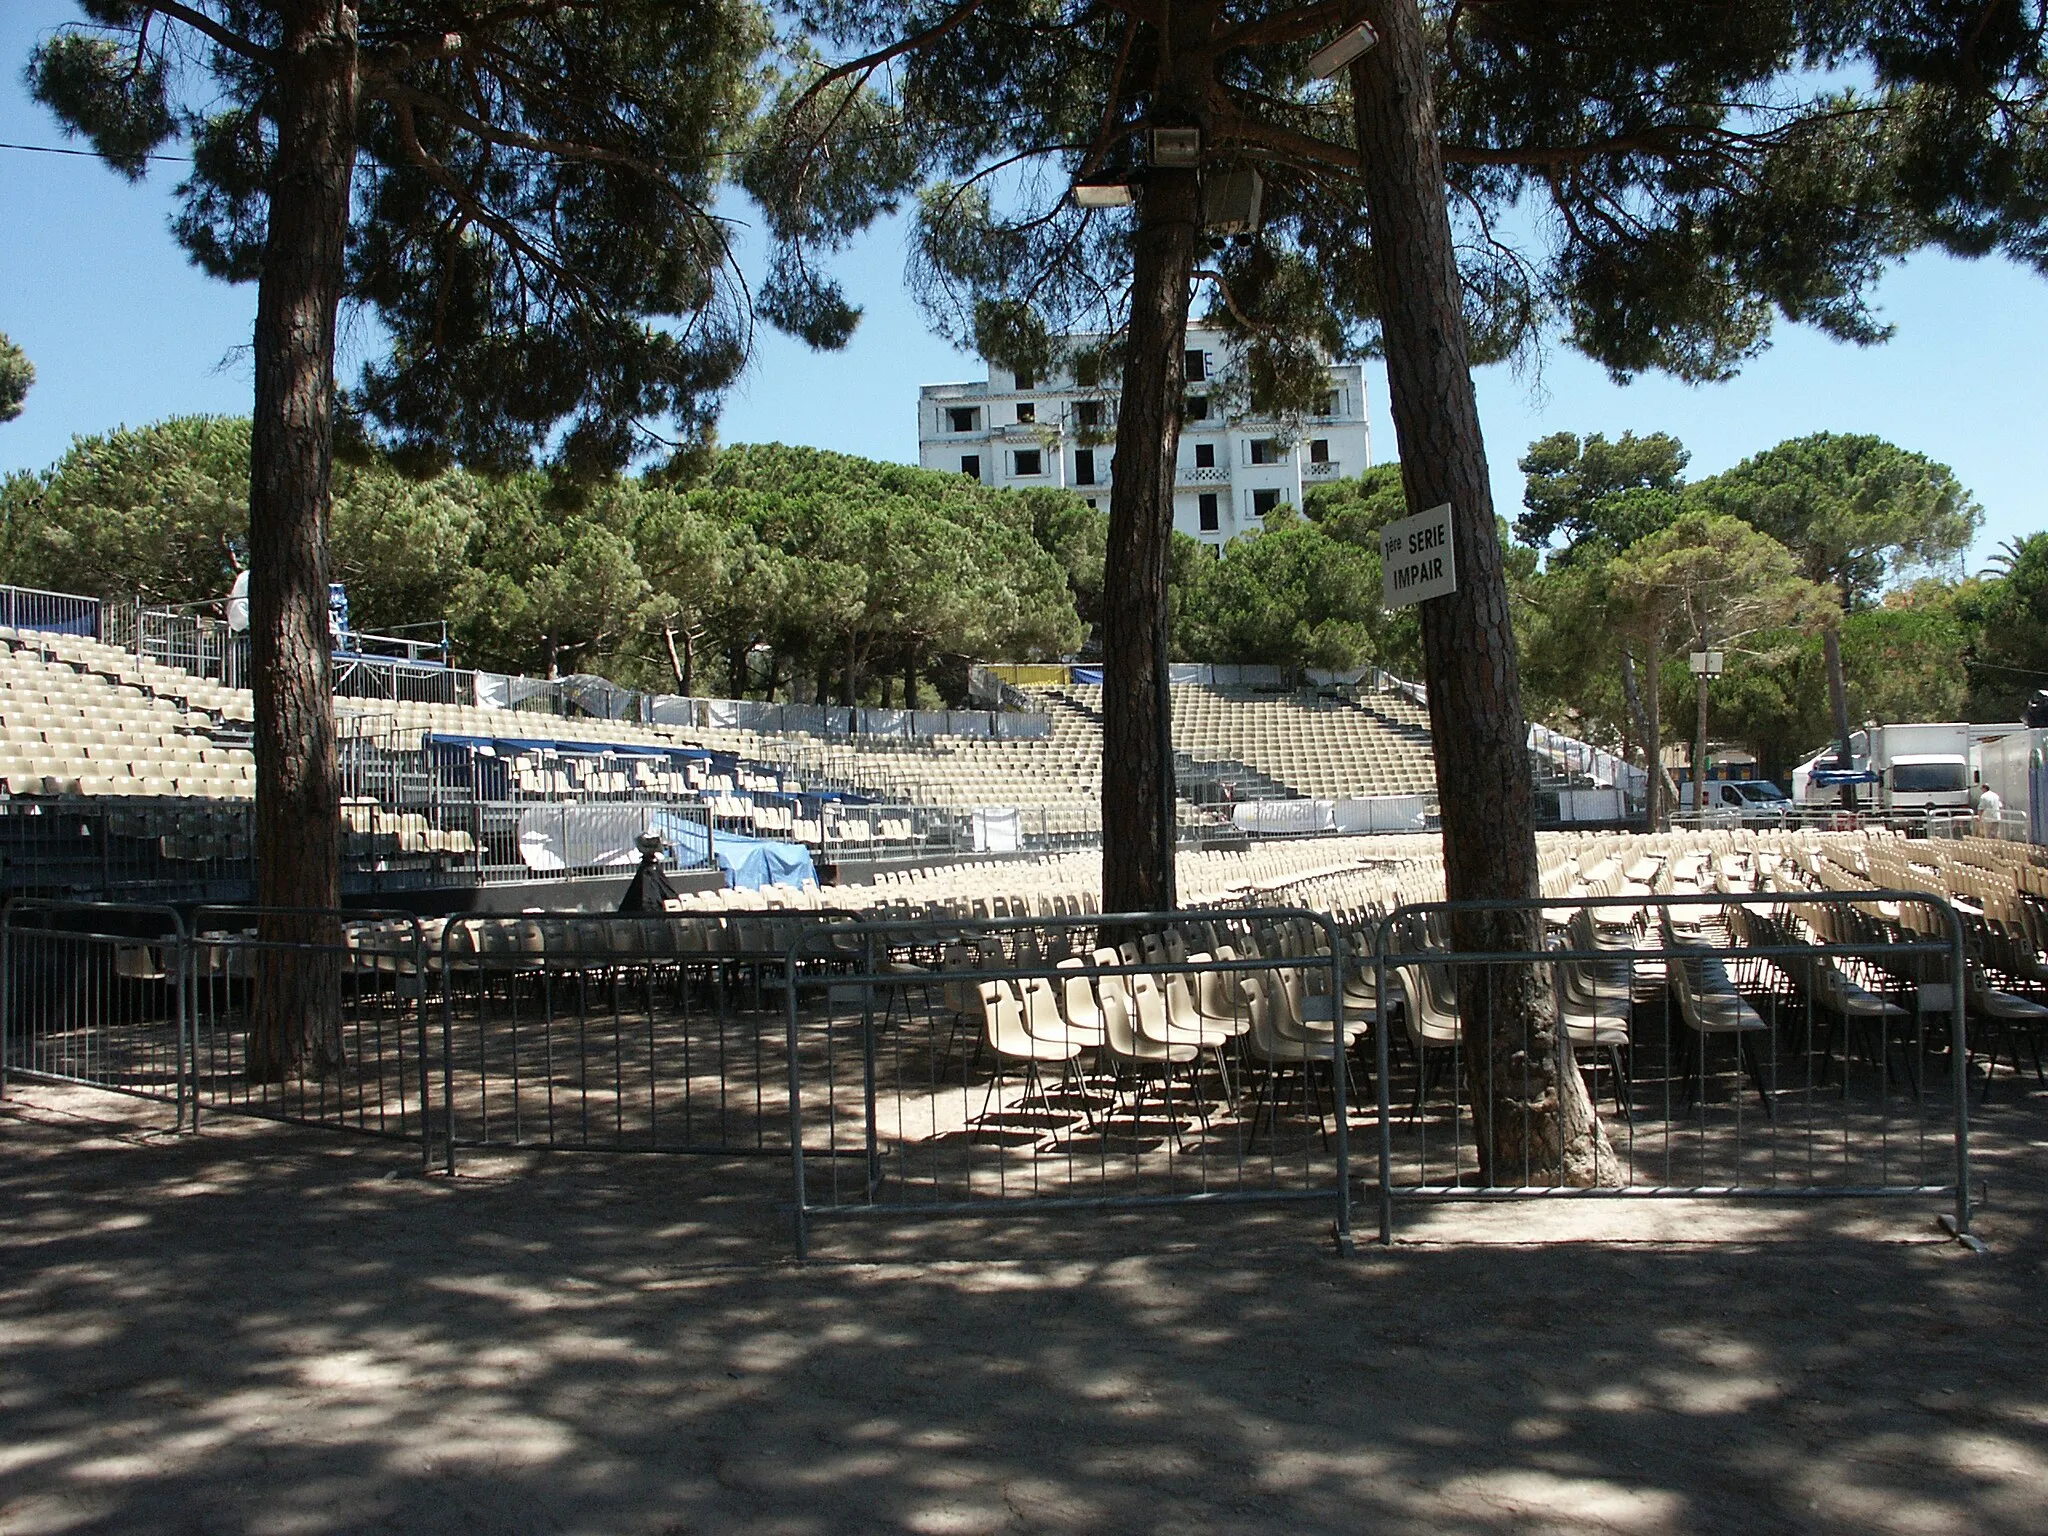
<point>519,194</point>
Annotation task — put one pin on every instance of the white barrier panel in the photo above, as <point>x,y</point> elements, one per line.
<point>998,829</point>
<point>1282,817</point>
<point>1383,813</point>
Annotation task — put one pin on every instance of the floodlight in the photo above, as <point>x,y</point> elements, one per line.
<point>1104,194</point>
<point>1348,45</point>
<point>1177,147</point>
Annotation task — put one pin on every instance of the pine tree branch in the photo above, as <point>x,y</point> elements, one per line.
<point>1286,26</point>
<point>207,27</point>
<point>868,63</point>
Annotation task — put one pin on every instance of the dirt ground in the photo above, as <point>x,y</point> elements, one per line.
<point>269,1330</point>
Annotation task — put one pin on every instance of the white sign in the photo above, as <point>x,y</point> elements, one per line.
<point>1706,663</point>
<point>1415,558</point>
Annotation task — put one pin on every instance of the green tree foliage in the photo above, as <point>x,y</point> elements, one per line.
<point>1706,579</point>
<point>1353,511</point>
<point>1291,596</point>
<point>159,512</point>
<point>805,552</point>
<point>532,190</point>
<point>1593,490</point>
<point>1858,511</point>
<point>17,374</point>
<point>2007,612</point>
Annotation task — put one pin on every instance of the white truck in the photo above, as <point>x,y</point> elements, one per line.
<point>1914,768</point>
<point>2016,765</point>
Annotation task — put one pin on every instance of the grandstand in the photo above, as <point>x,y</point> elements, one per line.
<point>450,785</point>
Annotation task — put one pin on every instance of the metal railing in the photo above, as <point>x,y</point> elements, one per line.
<point>358,993</point>
<point>947,1067</point>
<point>27,608</point>
<point>656,1033</point>
<point>94,993</point>
<point>1750,1046</point>
<point>1754,1045</point>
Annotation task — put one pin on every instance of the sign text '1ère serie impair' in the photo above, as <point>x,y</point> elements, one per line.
<point>1415,558</point>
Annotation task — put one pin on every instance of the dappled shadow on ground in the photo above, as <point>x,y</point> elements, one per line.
<point>268,1330</point>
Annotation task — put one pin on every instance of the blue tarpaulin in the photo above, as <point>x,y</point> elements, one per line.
<point>513,745</point>
<point>1834,778</point>
<point>749,862</point>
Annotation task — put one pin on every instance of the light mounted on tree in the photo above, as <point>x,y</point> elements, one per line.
<point>1231,201</point>
<point>1177,148</point>
<point>1104,192</point>
<point>1341,50</point>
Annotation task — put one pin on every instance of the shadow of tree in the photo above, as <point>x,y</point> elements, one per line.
<point>266,1330</point>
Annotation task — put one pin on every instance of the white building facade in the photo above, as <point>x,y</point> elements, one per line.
<point>1013,433</point>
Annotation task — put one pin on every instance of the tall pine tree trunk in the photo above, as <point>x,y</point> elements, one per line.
<point>297,999</point>
<point>1533,1120</point>
<point>1137,757</point>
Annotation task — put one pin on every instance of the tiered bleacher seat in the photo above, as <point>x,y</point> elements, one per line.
<point>66,730</point>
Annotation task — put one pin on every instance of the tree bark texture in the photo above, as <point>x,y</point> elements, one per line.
<point>296,1006</point>
<point>1137,761</point>
<point>1533,1119</point>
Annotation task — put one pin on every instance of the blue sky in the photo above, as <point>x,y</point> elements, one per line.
<point>123,331</point>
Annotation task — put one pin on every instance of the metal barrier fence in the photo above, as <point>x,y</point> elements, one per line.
<point>93,993</point>
<point>937,1065</point>
<point>657,1033</point>
<point>1770,1045</point>
<point>27,608</point>
<point>137,1000</point>
<point>357,987</point>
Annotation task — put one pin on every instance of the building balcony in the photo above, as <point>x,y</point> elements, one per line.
<point>1329,469</point>
<point>1216,474</point>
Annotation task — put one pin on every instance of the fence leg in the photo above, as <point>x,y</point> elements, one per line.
<point>1386,1118</point>
<point>800,1216</point>
<point>1339,1076</point>
<point>6,998</point>
<point>1958,1225</point>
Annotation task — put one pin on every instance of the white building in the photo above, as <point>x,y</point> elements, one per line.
<point>1015,432</point>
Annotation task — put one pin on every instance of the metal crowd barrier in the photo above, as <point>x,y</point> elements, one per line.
<point>621,1033</point>
<point>1787,1057</point>
<point>93,993</point>
<point>1768,1045</point>
<point>951,1066</point>
<point>369,1064</point>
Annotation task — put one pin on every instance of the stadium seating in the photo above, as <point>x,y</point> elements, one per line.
<point>74,723</point>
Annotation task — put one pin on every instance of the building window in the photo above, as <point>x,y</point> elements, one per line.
<point>1197,366</point>
<point>1025,378</point>
<point>1091,504</point>
<point>1084,466</point>
<point>1329,404</point>
<point>1265,450</point>
<point>1196,409</point>
<point>1089,413</point>
<point>1208,519</point>
<point>1026,414</point>
<point>1319,450</point>
<point>1264,502</point>
<point>962,418</point>
<point>970,465</point>
<point>1205,455</point>
<point>1028,461</point>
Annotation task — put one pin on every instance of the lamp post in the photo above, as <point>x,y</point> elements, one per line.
<point>1706,663</point>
